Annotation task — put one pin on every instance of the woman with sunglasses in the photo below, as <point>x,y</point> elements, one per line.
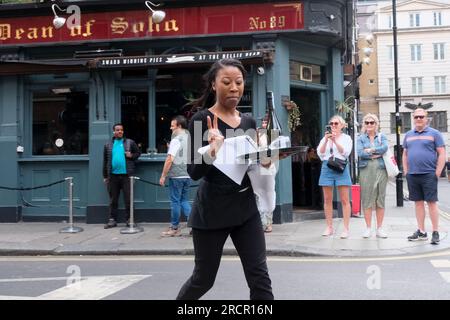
<point>371,145</point>
<point>338,144</point>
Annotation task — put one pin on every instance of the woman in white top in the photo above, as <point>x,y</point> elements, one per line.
<point>338,144</point>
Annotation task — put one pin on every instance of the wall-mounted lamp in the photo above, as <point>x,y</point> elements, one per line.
<point>369,39</point>
<point>157,15</point>
<point>58,22</point>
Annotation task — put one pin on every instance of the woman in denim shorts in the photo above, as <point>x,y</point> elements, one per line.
<point>338,144</point>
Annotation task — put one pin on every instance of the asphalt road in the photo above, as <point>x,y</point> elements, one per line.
<point>159,278</point>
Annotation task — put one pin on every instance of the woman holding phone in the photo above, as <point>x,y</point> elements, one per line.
<point>337,144</point>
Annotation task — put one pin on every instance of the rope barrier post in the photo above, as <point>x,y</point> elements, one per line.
<point>133,228</point>
<point>70,228</point>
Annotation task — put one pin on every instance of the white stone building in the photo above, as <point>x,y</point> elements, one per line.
<point>423,39</point>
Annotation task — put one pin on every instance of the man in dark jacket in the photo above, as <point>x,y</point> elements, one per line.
<point>119,156</point>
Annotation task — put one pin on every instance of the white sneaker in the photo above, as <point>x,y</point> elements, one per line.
<point>344,234</point>
<point>367,233</point>
<point>381,233</point>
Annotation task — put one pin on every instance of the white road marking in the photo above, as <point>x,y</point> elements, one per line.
<point>440,263</point>
<point>446,276</point>
<point>89,288</point>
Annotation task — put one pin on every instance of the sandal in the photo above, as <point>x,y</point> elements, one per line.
<point>268,229</point>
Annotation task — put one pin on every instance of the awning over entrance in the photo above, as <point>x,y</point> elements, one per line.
<point>18,67</point>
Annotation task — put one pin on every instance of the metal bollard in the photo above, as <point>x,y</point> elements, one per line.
<point>132,228</point>
<point>70,228</point>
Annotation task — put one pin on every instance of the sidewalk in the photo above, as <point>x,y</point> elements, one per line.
<point>289,239</point>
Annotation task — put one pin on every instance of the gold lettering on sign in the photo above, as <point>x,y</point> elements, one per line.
<point>256,23</point>
<point>78,31</point>
<point>282,21</point>
<point>5,31</point>
<point>152,27</point>
<point>119,25</point>
<point>19,33</point>
<point>32,33</point>
<point>138,27</point>
<point>171,25</point>
<point>47,32</point>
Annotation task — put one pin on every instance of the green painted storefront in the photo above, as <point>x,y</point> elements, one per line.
<point>101,97</point>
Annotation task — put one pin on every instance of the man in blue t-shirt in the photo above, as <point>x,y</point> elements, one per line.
<point>423,161</point>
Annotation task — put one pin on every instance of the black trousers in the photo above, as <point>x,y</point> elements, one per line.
<point>250,244</point>
<point>116,183</point>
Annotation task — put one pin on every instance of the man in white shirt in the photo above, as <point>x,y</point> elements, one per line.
<point>175,168</point>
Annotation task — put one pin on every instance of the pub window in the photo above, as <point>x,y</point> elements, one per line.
<point>135,117</point>
<point>60,122</point>
<point>307,72</point>
<point>405,118</point>
<point>175,88</point>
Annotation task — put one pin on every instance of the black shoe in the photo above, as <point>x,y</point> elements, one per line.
<point>111,224</point>
<point>418,236</point>
<point>435,237</point>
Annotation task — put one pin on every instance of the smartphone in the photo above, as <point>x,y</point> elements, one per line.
<point>328,129</point>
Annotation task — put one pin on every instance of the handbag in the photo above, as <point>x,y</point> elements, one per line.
<point>390,163</point>
<point>336,164</point>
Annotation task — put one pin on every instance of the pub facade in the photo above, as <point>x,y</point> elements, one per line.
<point>62,89</point>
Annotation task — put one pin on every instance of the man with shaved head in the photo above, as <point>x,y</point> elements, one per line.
<point>423,161</point>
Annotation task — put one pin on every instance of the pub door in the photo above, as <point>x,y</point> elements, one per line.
<point>306,166</point>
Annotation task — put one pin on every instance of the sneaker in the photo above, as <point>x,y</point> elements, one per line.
<point>172,232</point>
<point>367,233</point>
<point>111,224</point>
<point>344,234</point>
<point>381,234</point>
<point>328,232</point>
<point>435,237</point>
<point>418,236</point>
<point>190,233</point>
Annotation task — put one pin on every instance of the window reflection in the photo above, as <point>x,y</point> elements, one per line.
<point>60,116</point>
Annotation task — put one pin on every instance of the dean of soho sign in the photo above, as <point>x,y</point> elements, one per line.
<point>177,58</point>
<point>134,25</point>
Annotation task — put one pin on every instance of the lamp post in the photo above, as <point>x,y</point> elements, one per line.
<point>399,178</point>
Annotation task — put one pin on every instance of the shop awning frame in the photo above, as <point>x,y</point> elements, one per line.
<point>26,67</point>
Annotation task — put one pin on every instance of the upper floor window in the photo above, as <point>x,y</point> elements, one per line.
<point>417,87</point>
<point>391,53</point>
<point>438,120</point>
<point>416,52</point>
<point>391,86</point>
<point>414,19</point>
<point>439,51</point>
<point>439,84</point>
<point>405,118</point>
<point>437,18</point>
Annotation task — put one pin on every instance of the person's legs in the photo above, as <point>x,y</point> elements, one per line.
<point>251,247</point>
<point>175,189</point>
<point>420,215</point>
<point>434,215</point>
<point>114,192</point>
<point>125,183</point>
<point>328,205</point>
<point>208,247</point>
<point>380,217</point>
<point>343,193</point>
<point>184,200</point>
